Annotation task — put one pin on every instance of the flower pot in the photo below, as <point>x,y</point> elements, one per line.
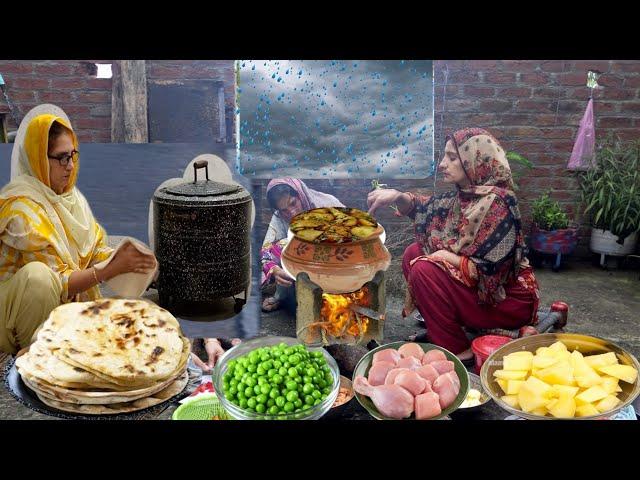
<point>604,243</point>
<point>337,267</point>
<point>562,241</point>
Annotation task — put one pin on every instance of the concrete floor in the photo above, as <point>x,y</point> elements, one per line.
<point>602,303</point>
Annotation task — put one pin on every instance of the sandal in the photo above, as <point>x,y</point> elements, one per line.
<point>270,304</point>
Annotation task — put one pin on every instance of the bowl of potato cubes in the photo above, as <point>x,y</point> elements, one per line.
<point>561,376</point>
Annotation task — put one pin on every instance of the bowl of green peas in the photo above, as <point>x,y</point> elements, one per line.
<point>276,378</point>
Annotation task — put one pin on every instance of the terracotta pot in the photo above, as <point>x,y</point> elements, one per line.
<point>337,267</point>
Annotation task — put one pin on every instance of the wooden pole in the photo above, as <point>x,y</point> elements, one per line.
<point>129,122</point>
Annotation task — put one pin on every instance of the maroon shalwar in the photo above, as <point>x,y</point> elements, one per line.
<point>447,305</point>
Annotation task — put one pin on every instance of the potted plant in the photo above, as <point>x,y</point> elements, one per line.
<point>552,233</point>
<point>610,191</point>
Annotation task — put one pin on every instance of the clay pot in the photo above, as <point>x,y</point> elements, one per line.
<point>337,267</point>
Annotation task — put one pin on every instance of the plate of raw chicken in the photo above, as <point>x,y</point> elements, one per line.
<point>413,381</point>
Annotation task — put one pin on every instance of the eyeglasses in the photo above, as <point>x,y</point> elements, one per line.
<point>65,158</point>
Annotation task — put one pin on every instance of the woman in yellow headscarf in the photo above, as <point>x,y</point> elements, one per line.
<point>49,239</point>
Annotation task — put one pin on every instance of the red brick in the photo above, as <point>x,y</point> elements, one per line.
<point>475,91</point>
<point>571,106</point>
<point>55,97</point>
<point>586,65</point>
<point>164,73</point>
<point>463,77</point>
<point>75,83</point>
<point>611,81</point>
<point>28,83</point>
<point>452,65</point>
<point>522,131</point>
<point>612,93</point>
<point>559,144</point>
<point>516,119</point>
<point>571,79</point>
<point>495,105</point>
<point>20,96</point>
<point>551,92</point>
<point>607,122</point>
<point>632,82</point>
<point>93,97</point>
<point>93,123</point>
<point>529,145</point>
<point>491,77</point>
<point>482,64</point>
<point>554,66</point>
<point>514,92</point>
<point>607,107</point>
<point>632,66</point>
<point>534,105</point>
<point>558,132</point>
<point>75,111</point>
<point>9,68</point>
<point>535,78</point>
<point>53,69</point>
<point>99,83</point>
<point>625,133</point>
<point>524,66</point>
<point>461,105</point>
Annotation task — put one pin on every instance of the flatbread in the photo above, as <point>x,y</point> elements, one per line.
<point>92,397</point>
<point>171,391</point>
<point>131,343</point>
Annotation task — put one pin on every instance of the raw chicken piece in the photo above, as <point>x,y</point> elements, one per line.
<point>411,381</point>
<point>386,355</point>
<point>443,366</point>
<point>378,372</point>
<point>447,387</point>
<point>428,372</point>
<point>411,363</point>
<point>391,400</point>
<point>427,406</point>
<point>433,356</point>
<point>391,376</point>
<point>411,350</point>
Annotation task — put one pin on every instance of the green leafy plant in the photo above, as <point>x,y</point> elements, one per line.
<point>610,190</point>
<point>517,159</point>
<point>548,215</point>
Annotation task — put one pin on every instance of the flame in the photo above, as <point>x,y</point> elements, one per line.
<point>340,320</point>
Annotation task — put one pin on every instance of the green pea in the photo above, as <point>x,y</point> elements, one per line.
<point>233,382</point>
<point>231,391</point>
<point>270,403</point>
<point>308,399</point>
<point>240,395</point>
<point>321,383</point>
<point>288,407</point>
<point>316,402</point>
<point>294,359</point>
<point>291,385</point>
<point>268,365</point>
<point>297,403</point>
<point>242,403</point>
<point>286,365</point>
<point>251,403</point>
<point>260,370</point>
<point>292,372</point>
<point>248,392</point>
<point>307,379</point>
<point>280,401</point>
<point>316,394</point>
<point>273,410</point>
<point>257,390</point>
<point>326,390</point>
<point>282,371</point>
<point>311,371</point>
<point>277,379</point>
<point>272,372</point>
<point>262,398</point>
<point>307,388</point>
<point>265,388</point>
<point>261,408</point>
<point>292,396</point>
<point>250,382</point>
<point>277,364</point>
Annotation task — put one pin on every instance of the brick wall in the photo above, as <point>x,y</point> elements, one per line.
<point>72,85</point>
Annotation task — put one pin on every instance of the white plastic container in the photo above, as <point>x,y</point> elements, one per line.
<point>604,242</point>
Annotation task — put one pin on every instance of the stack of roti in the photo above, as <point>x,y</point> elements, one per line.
<point>106,357</point>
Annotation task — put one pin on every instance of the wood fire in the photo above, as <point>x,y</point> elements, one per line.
<point>338,318</point>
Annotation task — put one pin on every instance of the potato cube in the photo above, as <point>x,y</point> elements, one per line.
<point>503,384</point>
<point>591,395</point>
<point>541,361</point>
<point>533,394</point>
<point>558,347</point>
<point>544,352</point>
<point>511,374</point>
<point>586,410</point>
<point>626,373</point>
<point>559,390</point>
<point>595,361</point>
<point>564,407</point>
<point>559,373</point>
<point>542,411</point>
<point>607,403</point>
<point>585,376</point>
<point>518,361</point>
<point>610,384</point>
<point>511,400</point>
<point>513,386</point>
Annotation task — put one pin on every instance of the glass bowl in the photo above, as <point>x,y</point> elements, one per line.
<point>311,413</point>
<point>584,344</point>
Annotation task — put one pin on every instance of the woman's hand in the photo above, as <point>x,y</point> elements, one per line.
<point>384,197</point>
<point>129,260</point>
<point>281,277</point>
<point>447,256</point>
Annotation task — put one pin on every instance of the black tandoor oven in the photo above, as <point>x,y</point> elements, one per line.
<point>202,238</point>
